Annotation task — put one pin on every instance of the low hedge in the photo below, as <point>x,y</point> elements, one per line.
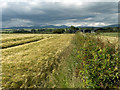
<point>98,63</point>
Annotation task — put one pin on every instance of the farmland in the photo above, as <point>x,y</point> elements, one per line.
<point>112,34</point>
<point>15,40</point>
<point>28,64</point>
<point>59,60</point>
<point>112,38</point>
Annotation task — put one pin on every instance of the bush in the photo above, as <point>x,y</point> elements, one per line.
<point>98,62</point>
<point>59,31</point>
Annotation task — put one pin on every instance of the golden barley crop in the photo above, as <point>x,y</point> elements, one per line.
<point>112,40</point>
<point>13,40</point>
<point>28,65</point>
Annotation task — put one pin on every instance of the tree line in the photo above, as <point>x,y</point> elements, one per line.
<point>72,29</point>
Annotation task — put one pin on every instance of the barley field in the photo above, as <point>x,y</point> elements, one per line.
<point>28,59</point>
<point>111,40</point>
<point>11,40</point>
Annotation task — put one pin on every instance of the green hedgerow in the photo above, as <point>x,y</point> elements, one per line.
<point>98,62</point>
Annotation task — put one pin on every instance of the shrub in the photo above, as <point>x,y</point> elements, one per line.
<point>59,31</point>
<point>98,62</point>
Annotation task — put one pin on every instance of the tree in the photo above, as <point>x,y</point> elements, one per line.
<point>21,30</point>
<point>33,30</point>
<point>77,28</point>
<point>59,31</point>
<point>72,28</point>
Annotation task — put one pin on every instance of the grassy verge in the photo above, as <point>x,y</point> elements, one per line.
<point>65,76</point>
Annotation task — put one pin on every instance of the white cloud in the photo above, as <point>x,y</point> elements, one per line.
<point>88,19</point>
<point>17,22</point>
<point>82,24</point>
<point>85,24</point>
<point>97,24</point>
<point>72,23</point>
<point>20,20</point>
<point>3,5</point>
<point>66,2</point>
<point>33,3</point>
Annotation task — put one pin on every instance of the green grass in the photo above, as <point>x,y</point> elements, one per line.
<point>113,34</point>
<point>65,75</point>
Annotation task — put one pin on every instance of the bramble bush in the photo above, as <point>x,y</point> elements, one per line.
<point>98,62</point>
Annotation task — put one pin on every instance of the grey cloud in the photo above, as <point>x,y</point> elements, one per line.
<point>58,13</point>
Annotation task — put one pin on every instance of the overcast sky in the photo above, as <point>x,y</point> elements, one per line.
<point>59,12</point>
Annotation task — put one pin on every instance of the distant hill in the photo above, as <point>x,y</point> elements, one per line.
<point>38,27</point>
<point>114,25</point>
<point>52,26</point>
